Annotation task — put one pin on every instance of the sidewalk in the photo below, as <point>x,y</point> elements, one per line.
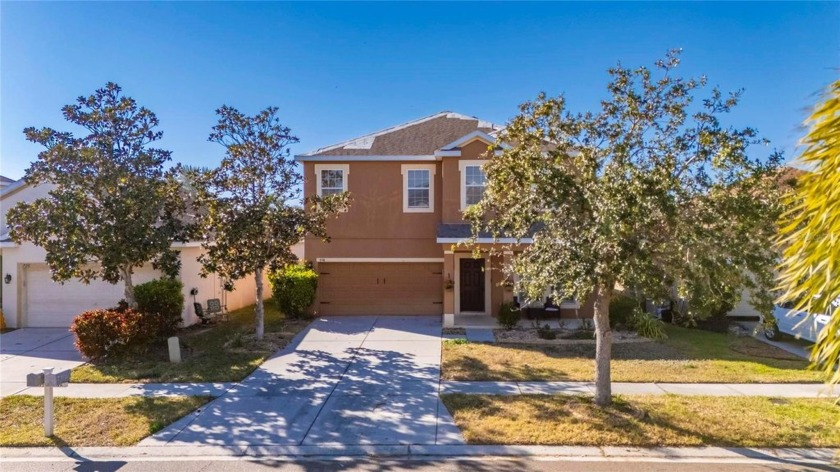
<point>466,387</point>
<point>91,390</point>
<point>626,388</point>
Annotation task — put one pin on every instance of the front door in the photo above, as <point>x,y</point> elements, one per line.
<point>472,285</point>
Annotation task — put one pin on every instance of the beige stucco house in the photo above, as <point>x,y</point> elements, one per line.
<point>399,248</point>
<point>30,298</point>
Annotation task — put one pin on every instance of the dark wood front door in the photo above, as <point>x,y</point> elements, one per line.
<point>472,285</point>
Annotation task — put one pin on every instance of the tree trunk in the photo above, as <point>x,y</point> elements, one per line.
<point>129,287</point>
<point>260,310</point>
<point>603,347</point>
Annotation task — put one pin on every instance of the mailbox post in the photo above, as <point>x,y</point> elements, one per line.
<point>48,380</point>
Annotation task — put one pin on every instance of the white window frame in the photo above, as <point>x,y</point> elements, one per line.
<point>427,167</point>
<point>319,168</point>
<point>462,167</point>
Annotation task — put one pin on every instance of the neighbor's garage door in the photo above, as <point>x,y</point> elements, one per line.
<point>380,288</point>
<point>53,305</point>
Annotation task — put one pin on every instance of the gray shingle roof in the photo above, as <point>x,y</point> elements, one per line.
<point>415,138</point>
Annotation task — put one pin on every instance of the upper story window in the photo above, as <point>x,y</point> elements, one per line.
<point>418,188</point>
<point>473,182</point>
<point>331,178</point>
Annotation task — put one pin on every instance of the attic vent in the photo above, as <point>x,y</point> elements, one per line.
<point>361,143</point>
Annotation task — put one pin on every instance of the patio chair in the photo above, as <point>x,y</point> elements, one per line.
<point>550,309</point>
<point>214,310</point>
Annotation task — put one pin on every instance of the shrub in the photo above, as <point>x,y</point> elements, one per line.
<point>545,332</point>
<point>621,311</point>
<point>294,288</point>
<point>509,315</point>
<point>161,300</point>
<point>647,325</point>
<point>112,332</point>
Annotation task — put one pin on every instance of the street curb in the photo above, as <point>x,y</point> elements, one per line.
<point>789,455</point>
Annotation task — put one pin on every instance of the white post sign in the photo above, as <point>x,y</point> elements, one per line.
<point>48,380</point>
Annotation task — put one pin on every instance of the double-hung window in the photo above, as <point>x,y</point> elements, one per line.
<point>473,182</point>
<point>418,188</point>
<point>331,179</point>
<point>332,182</point>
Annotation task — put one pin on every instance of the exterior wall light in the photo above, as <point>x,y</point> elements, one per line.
<point>8,278</point>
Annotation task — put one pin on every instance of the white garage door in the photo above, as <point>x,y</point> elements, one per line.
<point>53,305</point>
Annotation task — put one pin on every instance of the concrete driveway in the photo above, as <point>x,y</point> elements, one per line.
<point>28,350</point>
<point>344,380</point>
<point>797,347</point>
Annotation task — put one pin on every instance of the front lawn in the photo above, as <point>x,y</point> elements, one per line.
<point>646,421</point>
<point>205,357</point>
<point>90,421</point>
<point>688,355</point>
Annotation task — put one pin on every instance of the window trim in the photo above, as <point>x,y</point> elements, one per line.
<point>462,167</point>
<point>431,168</point>
<point>319,168</point>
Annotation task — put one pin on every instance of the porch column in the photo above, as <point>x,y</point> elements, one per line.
<point>448,289</point>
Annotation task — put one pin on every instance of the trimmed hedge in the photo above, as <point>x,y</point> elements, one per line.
<point>121,330</point>
<point>293,288</point>
<point>114,332</point>
<point>162,298</point>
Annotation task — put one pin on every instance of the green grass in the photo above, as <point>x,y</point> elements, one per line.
<point>687,355</point>
<point>646,421</point>
<point>90,421</point>
<point>205,356</point>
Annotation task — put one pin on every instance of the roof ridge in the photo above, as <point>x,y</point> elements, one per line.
<point>365,141</point>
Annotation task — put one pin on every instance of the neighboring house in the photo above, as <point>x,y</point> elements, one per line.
<point>5,182</point>
<point>30,298</point>
<point>397,250</point>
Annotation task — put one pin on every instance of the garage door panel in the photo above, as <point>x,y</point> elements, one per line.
<point>380,289</point>
<point>50,304</point>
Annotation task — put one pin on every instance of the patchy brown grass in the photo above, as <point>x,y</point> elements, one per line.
<point>90,421</point>
<point>221,352</point>
<point>646,421</point>
<point>688,355</point>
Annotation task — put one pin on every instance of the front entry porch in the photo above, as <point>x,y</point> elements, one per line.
<point>474,287</point>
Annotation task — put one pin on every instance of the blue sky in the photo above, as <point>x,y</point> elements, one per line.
<point>339,70</point>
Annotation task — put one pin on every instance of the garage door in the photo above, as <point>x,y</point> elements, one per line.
<point>53,305</point>
<point>380,288</point>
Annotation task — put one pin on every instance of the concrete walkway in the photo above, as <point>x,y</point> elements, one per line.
<point>626,388</point>
<point>90,390</point>
<point>28,350</point>
<point>342,381</point>
<point>480,335</point>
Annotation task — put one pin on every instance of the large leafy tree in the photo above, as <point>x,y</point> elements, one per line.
<point>249,208</point>
<point>810,269</point>
<point>112,206</point>
<point>650,191</point>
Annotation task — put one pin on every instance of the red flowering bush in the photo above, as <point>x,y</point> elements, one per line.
<point>115,331</point>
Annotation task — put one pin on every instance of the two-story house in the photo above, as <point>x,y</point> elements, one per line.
<point>397,250</point>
